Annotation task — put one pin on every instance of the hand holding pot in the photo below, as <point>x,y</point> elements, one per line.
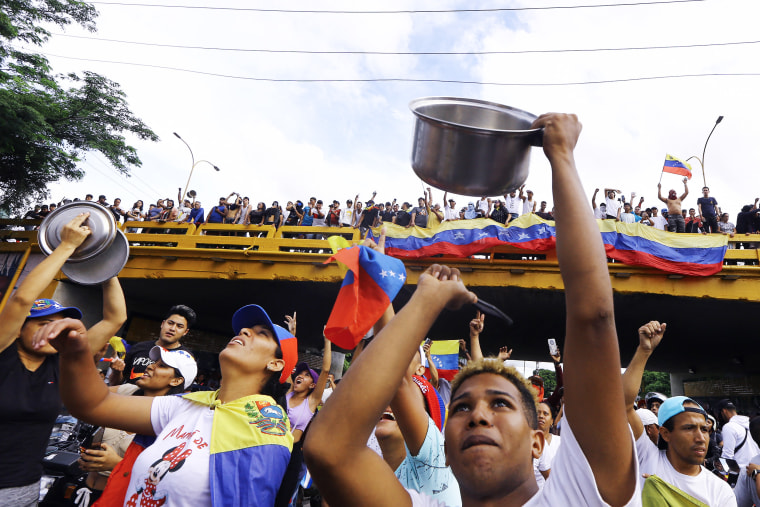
<point>561,132</point>
<point>74,233</point>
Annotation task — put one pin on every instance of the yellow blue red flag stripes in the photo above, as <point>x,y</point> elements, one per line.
<point>372,281</point>
<point>686,254</point>
<point>249,449</point>
<point>676,166</point>
<point>445,355</point>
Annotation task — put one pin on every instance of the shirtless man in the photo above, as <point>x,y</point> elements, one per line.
<point>676,222</point>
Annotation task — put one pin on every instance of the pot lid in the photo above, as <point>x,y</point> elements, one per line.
<point>100,267</point>
<point>101,222</point>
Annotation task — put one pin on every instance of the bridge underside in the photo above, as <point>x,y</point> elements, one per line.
<point>706,336</point>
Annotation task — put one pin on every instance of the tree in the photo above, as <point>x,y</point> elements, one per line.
<point>657,381</point>
<point>550,380</point>
<point>47,121</point>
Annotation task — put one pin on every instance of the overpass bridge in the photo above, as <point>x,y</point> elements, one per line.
<point>217,268</point>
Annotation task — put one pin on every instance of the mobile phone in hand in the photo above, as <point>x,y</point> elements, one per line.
<point>553,350</point>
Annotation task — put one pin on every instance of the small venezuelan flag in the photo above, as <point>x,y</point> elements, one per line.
<point>445,355</point>
<point>372,281</point>
<point>676,166</point>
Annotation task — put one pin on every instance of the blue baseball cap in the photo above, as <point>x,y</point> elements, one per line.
<point>44,307</point>
<point>674,406</point>
<point>251,315</point>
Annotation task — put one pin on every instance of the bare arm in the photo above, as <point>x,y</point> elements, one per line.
<point>315,398</point>
<point>114,315</point>
<point>659,193</point>
<point>593,198</point>
<point>82,391</point>
<point>17,308</point>
<point>521,195</point>
<point>340,461</point>
<point>685,189</point>
<point>592,357</point>
<point>650,335</point>
<point>476,327</point>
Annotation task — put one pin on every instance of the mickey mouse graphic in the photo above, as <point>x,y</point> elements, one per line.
<point>171,461</point>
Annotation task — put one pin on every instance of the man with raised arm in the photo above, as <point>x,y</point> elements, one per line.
<point>492,432</point>
<point>676,222</point>
<point>675,463</point>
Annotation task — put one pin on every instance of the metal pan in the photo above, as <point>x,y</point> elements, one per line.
<point>101,222</point>
<point>101,267</point>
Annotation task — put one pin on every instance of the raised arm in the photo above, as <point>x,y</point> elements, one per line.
<point>592,357</point>
<point>476,327</point>
<point>521,195</point>
<point>17,307</point>
<point>114,315</point>
<point>659,193</point>
<point>593,198</point>
<point>315,398</point>
<point>650,335</point>
<point>340,461</point>
<point>685,189</point>
<point>83,392</point>
<point>553,400</point>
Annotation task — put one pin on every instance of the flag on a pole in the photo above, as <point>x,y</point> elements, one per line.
<point>676,166</point>
<point>372,281</point>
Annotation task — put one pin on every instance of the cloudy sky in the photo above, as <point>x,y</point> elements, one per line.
<point>277,135</point>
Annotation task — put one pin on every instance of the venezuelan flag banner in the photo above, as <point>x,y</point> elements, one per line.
<point>371,283</point>
<point>445,356</point>
<point>676,166</point>
<point>636,244</point>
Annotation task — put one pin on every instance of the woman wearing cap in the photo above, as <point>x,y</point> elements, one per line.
<point>29,398</point>
<point>224,447</point>
<point>110,467</point>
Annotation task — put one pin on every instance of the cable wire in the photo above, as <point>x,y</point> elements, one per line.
<point>409,53</point>
<point>418,11</point>
<point>412,80</point>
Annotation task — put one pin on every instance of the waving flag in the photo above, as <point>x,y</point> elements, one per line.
<point>445,356</point>
<point>686,254</point>
<point>676,166</point>
<point>371,283</point>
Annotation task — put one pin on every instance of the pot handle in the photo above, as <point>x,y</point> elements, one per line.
<point>537,138</point>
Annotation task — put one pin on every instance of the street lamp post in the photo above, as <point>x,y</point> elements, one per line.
<point>187,185</point>
<point>702,160</point>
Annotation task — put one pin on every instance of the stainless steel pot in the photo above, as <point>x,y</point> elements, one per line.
<point>472,147</point>
<point>101,256</point>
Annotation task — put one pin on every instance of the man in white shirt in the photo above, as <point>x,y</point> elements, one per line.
<point>684,436</point>
<point>449,208</point>
<point>627,216</point>
<point>738,444</point>
<point>613,206</point>
<point>660,223</point>
<point>528,204</point>
<point>513,204</point>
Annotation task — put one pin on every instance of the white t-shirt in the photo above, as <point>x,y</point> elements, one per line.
<point>450,214</point>
<point>705,487</point>
<point>347,216</point>
<point>512,204</point>
<point>660,222</point>
<point>527,206</point>
<point>482,205</point>
<point>544,463</point>
<point>427,471</point>
<point>612,206</point>
<point>746,489</point>
<point>318,222</point>
<point>599,214</point>
<point>628,218</point>
<point>176,467</point>
<point>572,481</point>
<point>734,432</point>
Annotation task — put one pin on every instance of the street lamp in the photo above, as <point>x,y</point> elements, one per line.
<point>702,160</point>
<point>187,185</point>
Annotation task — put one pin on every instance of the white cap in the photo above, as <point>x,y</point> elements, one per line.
<point>647,416</point>
<point>177,358</point>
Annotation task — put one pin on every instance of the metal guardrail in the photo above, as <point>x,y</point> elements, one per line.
<point>744,250</point>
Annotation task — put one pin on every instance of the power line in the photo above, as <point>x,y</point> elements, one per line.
<point>109,175</point>
<point>413,80</point>
<point>409,53</point>
<point>416,11</point>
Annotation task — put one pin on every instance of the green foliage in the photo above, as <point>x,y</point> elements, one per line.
<point>550,380</point>
<point>47,121</point>
<point>658,381</point>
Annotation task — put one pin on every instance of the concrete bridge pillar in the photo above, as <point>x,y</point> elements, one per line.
<point>676,384</point>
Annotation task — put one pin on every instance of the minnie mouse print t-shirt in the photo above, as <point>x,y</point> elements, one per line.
<point>174,471</point>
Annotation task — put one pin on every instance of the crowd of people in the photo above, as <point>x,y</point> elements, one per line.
<point>706,217</point>
<point>390,431</point>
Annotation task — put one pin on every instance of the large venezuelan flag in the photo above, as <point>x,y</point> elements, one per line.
<point>686,254</point>
<point>445,356</point>
<point>371,283</point>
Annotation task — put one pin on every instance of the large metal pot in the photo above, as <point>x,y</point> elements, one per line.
<point>101,256</point>
<point>472,147</point>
